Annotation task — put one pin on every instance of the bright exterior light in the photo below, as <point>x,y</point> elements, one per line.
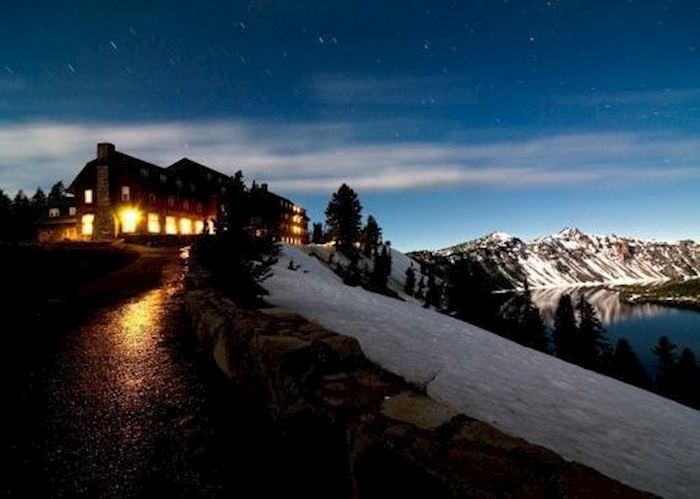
<point>185,226</point>
<point>198,227</point>
<point>153,223</point>
<point>130,218</point>
<point>170,225</point>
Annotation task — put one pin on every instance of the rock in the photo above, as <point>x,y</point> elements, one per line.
<point>417,410</point>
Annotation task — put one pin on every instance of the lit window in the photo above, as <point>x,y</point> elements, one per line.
<point>170,225</point>
<point>210,226</point>
<point>171,201</point>
<point>129,219</point>
<point>198,227</point>
<point>153,223</point>
<point>126,193</point>
<point>88,196</point>
<point>87,222</point>
<point>71,210</point>
<point>185,226</point>
<point>54,212</point>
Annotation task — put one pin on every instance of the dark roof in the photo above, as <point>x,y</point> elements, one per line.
<point>187,167</point>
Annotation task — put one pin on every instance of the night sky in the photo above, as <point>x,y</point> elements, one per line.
<point>451,119</point>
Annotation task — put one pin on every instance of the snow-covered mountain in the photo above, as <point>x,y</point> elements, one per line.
<point>570,258</point>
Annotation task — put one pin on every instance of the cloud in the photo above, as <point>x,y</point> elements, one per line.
<point>317,157</point>
<point>666,96</point>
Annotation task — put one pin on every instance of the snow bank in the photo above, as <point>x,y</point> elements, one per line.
<point>626,433</point>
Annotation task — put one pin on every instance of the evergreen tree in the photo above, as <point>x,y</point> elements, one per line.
<point>591,336</point>
<point>39,200</point>
<point>469,293</point>
<point>57,193</point>
<point>238,261</point>
<point>409,286</point>
<point>344,220</point>
<point>530,328</point>
<point>22,217</point>
<point>565,330</point>
<point>688,379</point>
<point>378,277</point>
<point>625,365</point>
<point>420,291</point>
<point>317,236</point>
<point>5,215</point>
<point>666,364</point>
<point>371,236</point>
<point>432,293</point>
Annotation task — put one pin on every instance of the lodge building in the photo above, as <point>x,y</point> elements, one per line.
<point>116,195</point>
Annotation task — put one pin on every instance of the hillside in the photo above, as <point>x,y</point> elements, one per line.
<point>639,438</point>
<point>571,257</point>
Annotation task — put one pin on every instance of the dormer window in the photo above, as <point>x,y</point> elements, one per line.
<point>54,212</point>
<point>144,172</point>
<point>126,193</point>
<point>88,196</point>
<point>178,184</point>
<point>71,210</point>
<point>163,178</point>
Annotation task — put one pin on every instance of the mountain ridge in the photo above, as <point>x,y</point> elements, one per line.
<point>572,257</point>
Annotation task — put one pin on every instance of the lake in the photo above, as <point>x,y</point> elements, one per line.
<point>640,324</point>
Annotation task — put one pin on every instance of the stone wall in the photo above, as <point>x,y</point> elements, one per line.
<point>362,431</point>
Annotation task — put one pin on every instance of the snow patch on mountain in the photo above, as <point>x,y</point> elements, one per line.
<point>571,258</point>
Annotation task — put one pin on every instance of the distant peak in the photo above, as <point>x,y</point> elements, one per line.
<point>569,232</point>
<point>499,236</point>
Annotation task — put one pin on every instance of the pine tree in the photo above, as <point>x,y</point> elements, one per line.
<point>378,277</point>
<point>531,330</point>
<point>409,286</point>
<point>625,365</point>
<point>5,215</point>
<point>565,330</point>
<point>469,293</point>
<point>688,379</point>
<point>57,193</point>
<point>666,364</point>
<point>22,217</point>
<point>238,261</point>
<point>317,236</point>
<point>344,219</point>
<point>591,336</point>
<point>420,291</point>
<point>371,236</point>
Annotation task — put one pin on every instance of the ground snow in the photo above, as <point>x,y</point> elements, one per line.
<point>643,440</point>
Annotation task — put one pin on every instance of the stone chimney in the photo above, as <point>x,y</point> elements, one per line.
<point>263,187</point>
<point>104,150</point>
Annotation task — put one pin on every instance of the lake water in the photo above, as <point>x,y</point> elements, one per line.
<point>641,325</point>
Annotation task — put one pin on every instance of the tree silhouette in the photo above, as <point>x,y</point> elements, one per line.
<point>409,286</point>
<point>343,219</point>
<point>688,379</point>
<point>529,329</point>
<point>625,365</point>
<point>317,236</point>
<point>371,237</point>
<point>57,193</point>
<point>665,352</point>
<point>469,293</point>
<point>591,336</point>
<point>565,330</point>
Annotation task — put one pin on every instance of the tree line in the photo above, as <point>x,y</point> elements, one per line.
<point>18,215</point>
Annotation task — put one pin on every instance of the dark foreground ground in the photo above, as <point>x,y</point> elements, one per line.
<point>108,394</point>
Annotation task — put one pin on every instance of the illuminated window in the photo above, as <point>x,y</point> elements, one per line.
<point>130,219</point>
<point>88,196</point>
<point>170,225</point>
<point>54,212</point>
<point>185,226</point>
<point>126,193</point>
<point>87,222</point>
<point>210,226</point>
<point>198,227</point>
<point>71,210</point>
<point>153,223</point>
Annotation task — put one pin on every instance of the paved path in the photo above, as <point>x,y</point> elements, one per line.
<point>125,404</point>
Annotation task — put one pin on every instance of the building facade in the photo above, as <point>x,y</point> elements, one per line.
<point>116,195</point>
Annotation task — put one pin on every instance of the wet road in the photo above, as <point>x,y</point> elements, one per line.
<point>125,404</point>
